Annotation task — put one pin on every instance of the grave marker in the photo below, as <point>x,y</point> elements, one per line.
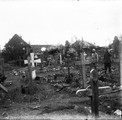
<point>93,92</point>
<point>94,86</point>
<point>120,47</point>
<point>83,70</point>
<point>61,59</point>
<point>1,65</point>
<point>29,70</point>
<point>83,63</point>
<point>31,62</point>
<point>120,57</point>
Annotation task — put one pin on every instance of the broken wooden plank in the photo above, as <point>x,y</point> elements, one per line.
<point>104,89</point>
<point>87,92</point>
<point>3,88</point>
<point>83,92</point>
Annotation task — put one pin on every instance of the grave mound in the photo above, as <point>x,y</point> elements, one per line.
<point>39,93</point>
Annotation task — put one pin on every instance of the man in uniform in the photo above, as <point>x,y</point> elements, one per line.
<point>95,58</point>
<point>107,61</point>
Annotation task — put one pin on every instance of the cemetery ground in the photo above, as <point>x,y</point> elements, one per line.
<point>54,99</point>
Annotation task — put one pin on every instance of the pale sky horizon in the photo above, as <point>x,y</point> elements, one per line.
<point>54,22</point>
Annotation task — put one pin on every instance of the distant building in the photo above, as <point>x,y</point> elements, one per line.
<point>39,48</point>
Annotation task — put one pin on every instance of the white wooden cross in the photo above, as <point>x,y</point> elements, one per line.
<point>32,61</point>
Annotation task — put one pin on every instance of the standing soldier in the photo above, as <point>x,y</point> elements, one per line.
<point>95,58</point>
<point>107,61</point>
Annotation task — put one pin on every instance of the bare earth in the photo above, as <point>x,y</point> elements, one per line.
<point>45,104</point>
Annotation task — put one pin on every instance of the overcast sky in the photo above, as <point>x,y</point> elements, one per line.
<point>53,22</point>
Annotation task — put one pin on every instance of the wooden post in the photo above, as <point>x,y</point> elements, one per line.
<point>120,52</point>
<point>31,63</point>
<point>94,85</point>
<point>83,70</point>
<point>1,65</point>
<point>68,67</point>
<point>120,69</point>
<point>61,59</point>
<point>29,70</point>
<point>19,61</point>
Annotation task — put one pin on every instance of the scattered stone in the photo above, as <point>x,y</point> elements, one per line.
<point>118,112</point>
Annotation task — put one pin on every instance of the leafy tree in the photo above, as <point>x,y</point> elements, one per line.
<point>53,51</point>
<point>77,46</point>
<point>15,48</point>
<point>67,46</point>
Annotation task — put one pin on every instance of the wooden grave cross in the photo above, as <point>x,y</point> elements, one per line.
<point>31,64</point>
<point>95,94</point>
<point>83,64</point>
<point>94,91</point>
<point>32,60</point>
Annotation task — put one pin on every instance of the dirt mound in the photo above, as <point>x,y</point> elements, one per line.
<point>40,92</point>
